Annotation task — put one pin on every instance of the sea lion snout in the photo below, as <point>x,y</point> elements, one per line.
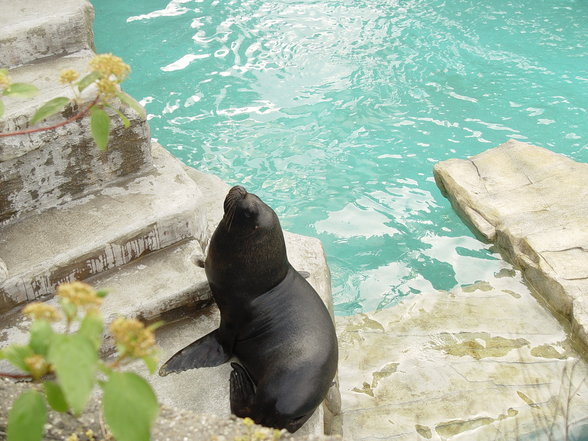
<point>237,190</point>
<point>235,194</point>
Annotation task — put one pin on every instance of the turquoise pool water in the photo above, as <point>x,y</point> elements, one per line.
<point>334,112</point>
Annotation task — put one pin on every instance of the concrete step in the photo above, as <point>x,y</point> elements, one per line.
<point>43,28</point>
<point>163,285</point>
<point>102,231</point>
<point>38,170</point>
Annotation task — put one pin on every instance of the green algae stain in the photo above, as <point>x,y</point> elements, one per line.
<point>516,295</point>
<point>481,345</point>
<point>455,427</point>
<point>478,286</point>
<point>423,431</point>
<point>527,400</point>
<point>386,371</point>
<point>452,428</point>
<point>505,272</point>
<point>365,323</point>
<point>547,351</point>
<point>365,389</point>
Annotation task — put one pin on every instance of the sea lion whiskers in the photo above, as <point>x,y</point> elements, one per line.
<point>230,207</point>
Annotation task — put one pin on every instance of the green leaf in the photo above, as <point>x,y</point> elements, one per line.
<point>41,335</point>
<point>101,293</point>
<point>100,127</point>
<point>55,396</point>
<point>124,119</point>
<point>130,406</point>
<point>22,90</point>
<point>27,417</point>
<point>1,108</point>
<point>51,107</point>
<point>74,359</point>
<point>16,355</point>
<point>92,327</point>
<point>130,101</point>
<point>87,80</point>
<point>151,363</point>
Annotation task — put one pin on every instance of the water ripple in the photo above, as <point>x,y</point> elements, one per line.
<point>334,111</point>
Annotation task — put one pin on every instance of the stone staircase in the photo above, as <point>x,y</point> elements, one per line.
<point>67,210</point>
<point>131,220</point>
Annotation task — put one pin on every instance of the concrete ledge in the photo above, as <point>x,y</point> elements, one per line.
<point>44,28</point>
<point>533,204</point>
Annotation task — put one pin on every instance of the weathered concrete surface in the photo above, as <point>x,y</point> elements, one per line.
<point>483,362</point>
<point>534,204</point>
<point>44,169</point>
<point>171,423</point>
<point>100,232</point>
<point>43,28</point>
<point>160,285</point>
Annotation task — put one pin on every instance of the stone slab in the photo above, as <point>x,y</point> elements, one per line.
<point>100,232</point>
<point>43,28</point>
<point>483,362</point>
<point>533,203</point>
<point>40,170</point>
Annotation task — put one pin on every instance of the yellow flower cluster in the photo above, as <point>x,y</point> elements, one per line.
<point>68,76</point>
<point>79,293</point>
<point>41,311</point>
<point>108,65</point>
<point>137,340</point>
<point>4,79</point>
<point>37,366</point>
<point>259,434</point>
<point>106,87</point>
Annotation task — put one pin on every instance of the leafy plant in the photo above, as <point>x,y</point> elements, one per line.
<point>129,404</point>
<point>107,72</point>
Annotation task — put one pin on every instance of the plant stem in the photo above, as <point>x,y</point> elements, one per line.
<point>62,123</point>
<point>16,376</point>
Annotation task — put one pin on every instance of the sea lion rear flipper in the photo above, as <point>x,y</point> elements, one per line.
<point>242,391</point>
<point>204,352</point>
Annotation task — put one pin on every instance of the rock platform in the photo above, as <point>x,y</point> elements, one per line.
<point>484,362</point>
<point>533,203</point>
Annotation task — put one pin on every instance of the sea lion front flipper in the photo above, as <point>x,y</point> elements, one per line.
<point>242,391</point>
<point>207,351</point>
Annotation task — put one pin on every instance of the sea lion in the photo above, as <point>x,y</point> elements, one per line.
<point>272,320</point>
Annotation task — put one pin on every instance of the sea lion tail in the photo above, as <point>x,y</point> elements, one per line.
<point>204,352</point>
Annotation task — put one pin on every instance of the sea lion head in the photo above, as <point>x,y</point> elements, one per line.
<point>247,252</point>
<point>245,213</point>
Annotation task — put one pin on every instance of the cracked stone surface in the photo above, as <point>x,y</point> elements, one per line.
<point>483,362</point>
<point>533,203</point>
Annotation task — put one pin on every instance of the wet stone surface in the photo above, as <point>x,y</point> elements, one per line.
<point>482,362</point>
